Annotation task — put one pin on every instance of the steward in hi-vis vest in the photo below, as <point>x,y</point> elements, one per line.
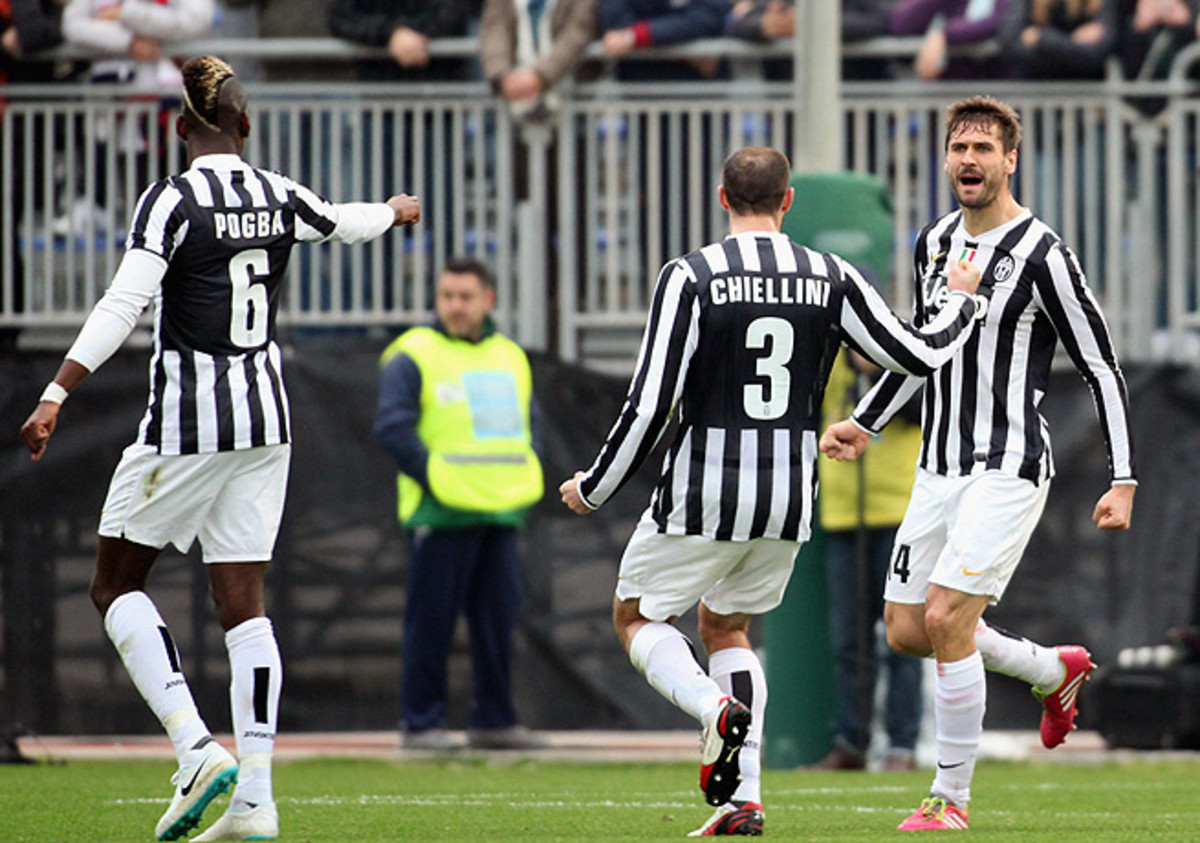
<point>456,413</point>
<point>475,422</point>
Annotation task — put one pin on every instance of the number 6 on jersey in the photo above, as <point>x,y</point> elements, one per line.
<point>248,323</point>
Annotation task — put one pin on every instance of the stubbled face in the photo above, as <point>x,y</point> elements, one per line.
<point>978,166</point>
<point>463,304</point>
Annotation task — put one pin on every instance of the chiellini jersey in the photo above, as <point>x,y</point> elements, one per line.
<point>980,411</point>
<point>210,248</point>
<point>739,341</point>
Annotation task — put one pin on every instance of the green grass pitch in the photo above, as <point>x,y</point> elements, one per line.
<point>480,800</point>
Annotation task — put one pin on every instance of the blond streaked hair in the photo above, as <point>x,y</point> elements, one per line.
<point>205,80</point>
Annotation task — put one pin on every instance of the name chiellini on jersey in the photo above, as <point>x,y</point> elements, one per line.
<point>225,231</point>
<point>980,411</point>
<point>739,342</point>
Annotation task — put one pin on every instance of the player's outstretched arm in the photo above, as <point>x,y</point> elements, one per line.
<point>1114,510</point>
<point>569,489</point>
<point>407,208</point>
<point>844,441</point>
<point>39,427</point>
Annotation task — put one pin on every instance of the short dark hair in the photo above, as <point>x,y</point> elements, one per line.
<point>467,265</point>
<point>756,179</point>
<point>984,112</point>
<point>212,95</point>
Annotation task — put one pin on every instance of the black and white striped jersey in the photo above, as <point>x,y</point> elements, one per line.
<point>225,231</point>
<point>980,411</point>
<point>740,339</point>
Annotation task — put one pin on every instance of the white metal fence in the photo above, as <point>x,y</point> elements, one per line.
<point>80,157</point>
<point>577,214</point>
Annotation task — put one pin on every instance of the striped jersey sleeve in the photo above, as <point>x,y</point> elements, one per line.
<point>316,217</point>
<point>873,329</point>
<point>668,342</point>
<point>1062,292</point>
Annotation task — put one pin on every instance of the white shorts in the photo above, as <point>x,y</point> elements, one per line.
<point>670,573</point>
<point>232,500</point>
<point>965,533</point>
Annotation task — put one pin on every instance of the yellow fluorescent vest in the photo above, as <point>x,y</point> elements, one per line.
<point>474,420</point>
<point>888,464</point>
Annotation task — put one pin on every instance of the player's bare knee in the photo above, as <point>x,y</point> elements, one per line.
<point>627,619</point>
<point>724,640</point>
<point>906,633</point>
<point>720,632</point>
<point>947,628</point>
<point>230,618</point>
<point>937,619</point>
<point>234,609</point>
<point>107,585</point>
<point>102,596</point>
<point>907,641</point>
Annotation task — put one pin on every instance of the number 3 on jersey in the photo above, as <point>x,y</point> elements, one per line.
<point>248,306</point>
<point>770,401</point>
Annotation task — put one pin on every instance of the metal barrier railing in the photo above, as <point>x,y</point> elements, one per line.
<point>1091,166</point>
<point>1182,213</point>
<point>581,210</point>
<point>79,159</point>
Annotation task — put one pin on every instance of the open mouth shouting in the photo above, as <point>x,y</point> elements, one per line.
<point>971,188</point>
<point>970,178</point>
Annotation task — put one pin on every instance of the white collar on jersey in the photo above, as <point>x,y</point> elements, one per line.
<point>766,232</point>
<point>223,161</point>
<point>993,236</point>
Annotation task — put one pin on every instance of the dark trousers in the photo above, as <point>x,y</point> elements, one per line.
<point>475,572</point>
<point>852,619</point>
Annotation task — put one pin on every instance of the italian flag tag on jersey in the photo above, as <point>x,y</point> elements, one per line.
<point>968,253</point>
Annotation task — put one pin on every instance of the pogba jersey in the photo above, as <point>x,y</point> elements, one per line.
<point>739,342</point>
<point>980,411</point>
<point>225,230</point>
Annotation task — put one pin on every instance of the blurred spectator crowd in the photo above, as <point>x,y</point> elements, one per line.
<point>526,47</point>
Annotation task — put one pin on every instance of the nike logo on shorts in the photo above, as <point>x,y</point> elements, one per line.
<point>969,573</point>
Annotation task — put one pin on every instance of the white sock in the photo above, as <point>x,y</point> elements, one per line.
<point>141,637</point>
<point>960,697</point>
<point>739,673</point>
<point>1011,655</point>
<point>663,655</point>
<point>256,678</point>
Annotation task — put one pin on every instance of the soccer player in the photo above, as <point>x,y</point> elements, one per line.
<point>210,247</point>
<point>740,338</point>
<point>985,465</point>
